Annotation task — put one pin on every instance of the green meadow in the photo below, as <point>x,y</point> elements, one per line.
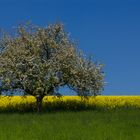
<point>67,125</point>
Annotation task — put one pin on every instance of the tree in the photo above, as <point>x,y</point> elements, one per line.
<point>40,60</point>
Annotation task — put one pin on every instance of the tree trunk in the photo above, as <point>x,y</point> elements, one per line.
<point>39,103</point>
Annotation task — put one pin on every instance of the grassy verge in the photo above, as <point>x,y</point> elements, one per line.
<point>84,125</point>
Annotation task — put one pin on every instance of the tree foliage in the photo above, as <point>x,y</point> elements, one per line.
<point>40,60</point>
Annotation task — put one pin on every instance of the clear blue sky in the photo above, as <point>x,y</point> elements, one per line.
<point>109,30</point>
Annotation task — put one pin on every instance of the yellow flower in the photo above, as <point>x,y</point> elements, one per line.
<point>68,102</point>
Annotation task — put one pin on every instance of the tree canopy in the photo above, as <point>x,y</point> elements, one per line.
<point>39,60</point>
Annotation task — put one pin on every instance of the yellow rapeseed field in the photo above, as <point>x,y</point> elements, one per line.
<point>108,102</point>
<point>23,103</point>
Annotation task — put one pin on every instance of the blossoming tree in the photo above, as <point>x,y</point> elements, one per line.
<point>40,60</point>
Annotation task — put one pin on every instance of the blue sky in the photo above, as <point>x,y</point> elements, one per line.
<point>109,30</point>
